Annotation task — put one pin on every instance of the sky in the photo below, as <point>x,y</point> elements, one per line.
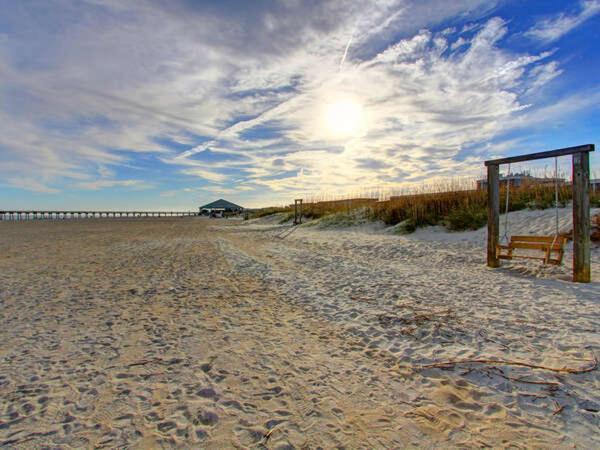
<point>169,105</point>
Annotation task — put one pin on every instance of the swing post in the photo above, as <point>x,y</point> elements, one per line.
<point>493,184</point>
<point>581,218</point>
<point>581,205</point>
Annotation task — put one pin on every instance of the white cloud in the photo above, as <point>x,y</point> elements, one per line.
<point>551,29</point>
<point>551,115</point>
<point>104,184</point>
<point>30,184</point>
<point>542,74</point>
<point>220,190</point>
<point>459,43</point>
<point>422,106</point>
<point>105,172</point>
<point>99,93</point>
<point>205,174</point>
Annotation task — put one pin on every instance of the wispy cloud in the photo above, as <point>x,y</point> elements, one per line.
<point>30,184</point>
<point>103,184</point>
<point>242,96</point>
<point>423,103</point>
<point>205,174</point>
<point>553,28</point>
<point>345,53</point>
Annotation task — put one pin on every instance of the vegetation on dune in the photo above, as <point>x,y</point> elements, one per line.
<point>350,206</point>
<point>468,218</point>
<point>467,209</point>
<point>263,212</point>
<point>464,209</point>
<point>286,217</point>
<point>405,227</point>
<point>455,206</point>
<point>342,219</point>
<point>458,210</point>
<point>427,209</point>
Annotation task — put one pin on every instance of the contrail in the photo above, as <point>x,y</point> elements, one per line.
<point>345,52</point>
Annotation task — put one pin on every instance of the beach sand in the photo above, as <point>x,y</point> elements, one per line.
<point>178,333</point>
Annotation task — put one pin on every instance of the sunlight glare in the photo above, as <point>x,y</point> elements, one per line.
<point>344,119</point>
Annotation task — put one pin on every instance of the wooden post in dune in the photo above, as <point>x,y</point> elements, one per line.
<point>298,211</point>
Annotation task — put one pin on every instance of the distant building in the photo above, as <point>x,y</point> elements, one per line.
<point>595,185</point>
<point>517,180</point>
<point>220,208</point>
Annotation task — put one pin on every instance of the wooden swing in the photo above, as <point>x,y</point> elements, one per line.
<point>552,247</point>
<point>549,245</point>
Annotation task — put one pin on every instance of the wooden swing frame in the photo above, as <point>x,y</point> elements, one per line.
<point>581,211</point>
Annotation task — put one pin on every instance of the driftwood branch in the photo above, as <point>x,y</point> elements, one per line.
<point>500,373</point>
<point>558,409</point>
<point>523,380</point>
<point>505,362</point>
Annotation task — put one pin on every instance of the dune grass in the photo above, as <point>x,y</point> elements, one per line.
<point>456,204</point>
<point>263,212</point>
<point>465,209</point>
<point>457,210</point>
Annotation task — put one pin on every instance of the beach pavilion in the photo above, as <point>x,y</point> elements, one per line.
<point>220,207</point>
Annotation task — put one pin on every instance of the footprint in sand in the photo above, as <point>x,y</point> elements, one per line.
<point>337,412</point>
<point>206,417</point>
<point>249,436</point>
<point>438,420</point>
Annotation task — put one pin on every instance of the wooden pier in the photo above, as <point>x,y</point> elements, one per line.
<point>54,215</point>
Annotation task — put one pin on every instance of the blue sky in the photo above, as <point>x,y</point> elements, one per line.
<point>169,105</point>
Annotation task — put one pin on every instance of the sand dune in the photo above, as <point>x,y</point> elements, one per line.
<point>220,334</point>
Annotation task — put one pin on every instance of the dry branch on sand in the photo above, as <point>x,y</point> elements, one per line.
<point>504,362</point>
<point>499,372</point>
<point>558,408</point>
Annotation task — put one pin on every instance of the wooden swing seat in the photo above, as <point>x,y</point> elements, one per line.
<point>549,245</point>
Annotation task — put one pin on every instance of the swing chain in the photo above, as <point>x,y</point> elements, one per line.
<point>556,229</point>
<point>556,193</point>
<point>505,235</point>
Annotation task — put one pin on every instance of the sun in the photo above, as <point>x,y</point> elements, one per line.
<point>344,119</point>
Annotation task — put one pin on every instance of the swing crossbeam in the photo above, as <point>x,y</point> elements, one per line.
<point>549,245</point>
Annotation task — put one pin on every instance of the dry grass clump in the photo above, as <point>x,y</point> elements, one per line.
<point>429,208</point>
<point>263,212</point>
<point>464,209</point>
<point>456,204</point>
<point>318,209</point>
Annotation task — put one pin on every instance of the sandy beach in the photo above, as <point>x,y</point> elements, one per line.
<point>200,333</point>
